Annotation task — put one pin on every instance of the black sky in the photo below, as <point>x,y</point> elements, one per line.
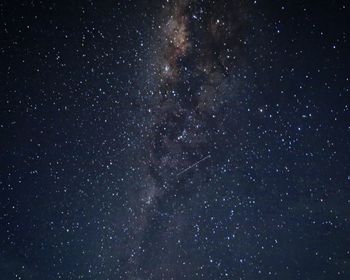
<point>105,103</point>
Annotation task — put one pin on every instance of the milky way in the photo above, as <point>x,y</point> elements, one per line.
<point>194,61</point>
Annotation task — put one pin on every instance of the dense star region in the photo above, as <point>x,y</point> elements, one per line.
<point>175,139</point>
<point>193,73</point>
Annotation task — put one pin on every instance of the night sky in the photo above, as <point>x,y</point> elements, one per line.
<point>175,139</point>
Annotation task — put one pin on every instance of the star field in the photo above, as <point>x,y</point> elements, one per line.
<point>175,139</point>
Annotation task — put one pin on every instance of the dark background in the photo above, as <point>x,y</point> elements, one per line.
<point>69,75</point>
